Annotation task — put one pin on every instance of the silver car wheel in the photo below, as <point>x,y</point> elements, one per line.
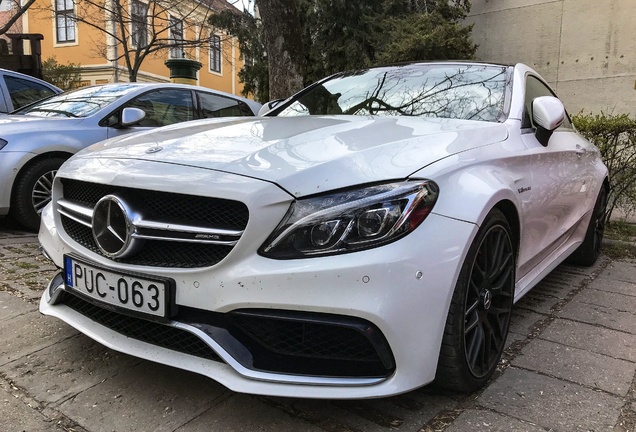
<point>41,194</point>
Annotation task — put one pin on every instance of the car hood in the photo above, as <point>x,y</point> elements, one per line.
<point>10,124</point>
<point>309,154</point>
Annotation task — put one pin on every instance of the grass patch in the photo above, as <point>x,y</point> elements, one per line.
<point>620,251</point>
<point>26,265</point>
<point>621,230</point>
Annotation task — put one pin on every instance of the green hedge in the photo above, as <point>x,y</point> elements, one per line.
<point>615,136</point>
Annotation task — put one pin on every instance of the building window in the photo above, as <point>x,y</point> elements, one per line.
<point>65,20</point>
<point>215,53</point>
<point>176,37</point>
<point>139,17</point>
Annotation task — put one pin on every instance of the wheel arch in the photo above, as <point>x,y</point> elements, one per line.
<point>37,158</point>
<point>511,214</point>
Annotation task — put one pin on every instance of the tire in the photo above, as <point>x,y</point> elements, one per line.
<point>32,191</point>
<point>589,251</point>
<point>479,314</point>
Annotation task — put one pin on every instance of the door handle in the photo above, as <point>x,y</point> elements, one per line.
<point>580,150</point>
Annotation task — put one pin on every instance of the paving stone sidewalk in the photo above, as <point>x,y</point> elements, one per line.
<point>570,365</point>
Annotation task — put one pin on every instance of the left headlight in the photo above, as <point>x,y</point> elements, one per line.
<point>351,220</point>
<point>3,143</point>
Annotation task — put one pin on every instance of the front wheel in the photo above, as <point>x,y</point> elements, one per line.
<point>479,314</point>
<point>32,192</point>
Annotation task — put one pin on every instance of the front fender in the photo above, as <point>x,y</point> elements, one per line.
<point>473,182</point>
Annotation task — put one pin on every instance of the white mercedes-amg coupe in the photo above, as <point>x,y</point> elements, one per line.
<point>366,237</point>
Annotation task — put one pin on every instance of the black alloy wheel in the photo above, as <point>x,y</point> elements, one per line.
<point>590,249</point>
<point>599,221</point>
<point>489,302</point>
<point>479,314</point>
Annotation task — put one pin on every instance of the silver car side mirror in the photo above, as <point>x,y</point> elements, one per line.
<point>267,107</point>
<point>548,114</point>
<point>131,116</point>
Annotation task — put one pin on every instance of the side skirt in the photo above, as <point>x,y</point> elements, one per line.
<point>549,263</point>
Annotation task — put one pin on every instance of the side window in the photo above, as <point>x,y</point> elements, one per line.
<point>24,92</point>
<point>163,107</point>
<point>219,106</point>
<point>534,89</point>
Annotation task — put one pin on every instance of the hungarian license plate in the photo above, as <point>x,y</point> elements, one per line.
<point>124,291</point>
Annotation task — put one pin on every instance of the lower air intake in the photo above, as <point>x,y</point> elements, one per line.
<point>146,331</point>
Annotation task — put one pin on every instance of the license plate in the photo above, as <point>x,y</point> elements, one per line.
<point>134,293</point>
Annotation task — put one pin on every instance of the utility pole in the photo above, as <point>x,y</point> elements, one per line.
<point>116,62</point>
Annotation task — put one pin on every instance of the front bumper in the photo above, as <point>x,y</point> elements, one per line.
<point>378,285</point>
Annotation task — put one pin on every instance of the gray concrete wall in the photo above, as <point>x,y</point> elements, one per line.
<point>586,49</point>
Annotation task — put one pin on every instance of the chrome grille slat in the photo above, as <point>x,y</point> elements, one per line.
<point>186,228</point>
<point>86,212</point>
<point>176,239</point>
<point>74,217</point>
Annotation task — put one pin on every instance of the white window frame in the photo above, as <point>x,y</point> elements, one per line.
<point>131,26</point>
<point>171,51</point>
<point>54,15</point>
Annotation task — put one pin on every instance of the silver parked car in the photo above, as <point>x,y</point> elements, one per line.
<point>36,140</point>
<point>18,90</point>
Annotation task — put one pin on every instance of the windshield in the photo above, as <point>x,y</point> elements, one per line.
<point>78,103</point>
<point>471,92</point>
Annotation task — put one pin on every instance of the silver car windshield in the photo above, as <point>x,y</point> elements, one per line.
<point>78,103</point>
<point>471,92</point>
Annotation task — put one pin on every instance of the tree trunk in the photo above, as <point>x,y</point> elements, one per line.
<point>284,46</point>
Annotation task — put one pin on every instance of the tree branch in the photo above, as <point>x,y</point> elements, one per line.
<point>15,17</point>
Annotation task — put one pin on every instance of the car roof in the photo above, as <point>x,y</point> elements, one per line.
<point>428,62</point>
<point>30,78</point>
<point>146,86</point>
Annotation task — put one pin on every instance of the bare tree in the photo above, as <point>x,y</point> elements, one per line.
<point>136,29</point>
<point>18,10</point>
<point>284,45</point>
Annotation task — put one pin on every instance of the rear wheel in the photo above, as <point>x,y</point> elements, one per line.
<point>479,315</point>
<point>32,192</point>
<point>590,249</point>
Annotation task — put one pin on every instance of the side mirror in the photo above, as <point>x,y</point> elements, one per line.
<point>548,114</point>
<point>267,107</point>
<point>131,116</point>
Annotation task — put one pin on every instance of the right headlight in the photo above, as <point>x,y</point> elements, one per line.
<point>351,220</point>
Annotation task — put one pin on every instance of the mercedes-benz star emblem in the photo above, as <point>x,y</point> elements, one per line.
<point>112,227</point>
<point>487,299</point>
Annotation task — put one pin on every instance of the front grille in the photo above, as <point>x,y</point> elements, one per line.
<point>146,331</point>
<point>154,253</point>
<point>165,206</point>
<point>307,339</point>
<point>161,207</point>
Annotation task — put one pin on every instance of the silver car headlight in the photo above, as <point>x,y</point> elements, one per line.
<point>351,220</point>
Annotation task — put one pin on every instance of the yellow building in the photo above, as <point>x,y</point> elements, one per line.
<point>71,40</point>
